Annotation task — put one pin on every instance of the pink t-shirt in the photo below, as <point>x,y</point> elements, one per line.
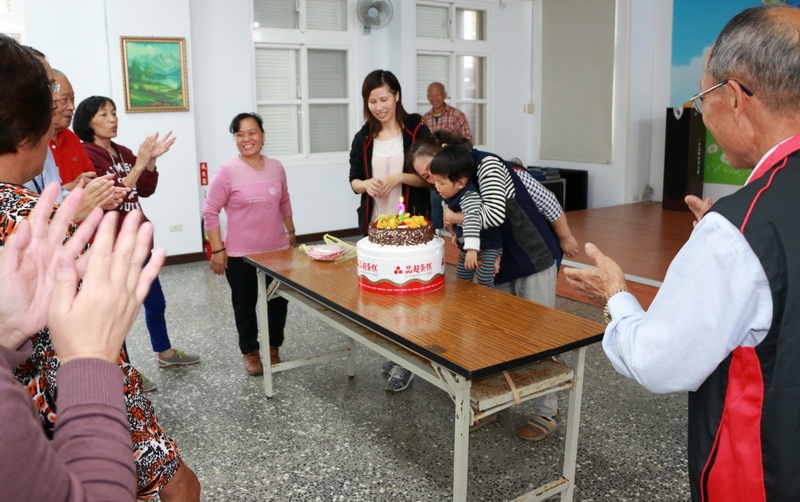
<point>255,201</point>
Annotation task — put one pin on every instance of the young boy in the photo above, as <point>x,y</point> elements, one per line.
<point>480,249</point>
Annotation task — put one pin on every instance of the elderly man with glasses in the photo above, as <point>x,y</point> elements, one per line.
<point>49,173</point>
<point>725,324</point>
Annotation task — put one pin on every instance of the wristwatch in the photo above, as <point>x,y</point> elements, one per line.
<point>606,313</point>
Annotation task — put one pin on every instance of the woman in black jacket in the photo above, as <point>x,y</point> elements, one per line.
<point>378,167</point>
<point>380,173</point>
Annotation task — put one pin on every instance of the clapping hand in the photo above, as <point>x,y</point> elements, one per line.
<point>153,148</point>
<point>96,193</point>
<point>28,263</point>
<point>160,147</point>
<point>94,321</point>
<point>599,282</point>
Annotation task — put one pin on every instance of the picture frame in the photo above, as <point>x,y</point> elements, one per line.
<point>154,74</point>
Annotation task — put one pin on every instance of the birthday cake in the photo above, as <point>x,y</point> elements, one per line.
<point>400,255</point>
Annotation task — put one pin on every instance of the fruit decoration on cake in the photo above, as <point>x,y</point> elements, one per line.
<point>400,255</point>
<point>400,230</point>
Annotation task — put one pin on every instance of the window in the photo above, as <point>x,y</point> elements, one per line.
<point>452,48</point>
<point>301,14</point>
<point>10,22</point>
<point>301,67</point>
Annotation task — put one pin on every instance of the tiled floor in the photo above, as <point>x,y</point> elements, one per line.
<point>326,437</point>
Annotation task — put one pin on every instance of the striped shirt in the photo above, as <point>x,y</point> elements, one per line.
<point>496,186</point>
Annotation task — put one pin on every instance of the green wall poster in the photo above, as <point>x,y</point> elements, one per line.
<point>718,169</point>
<point>695,25</point>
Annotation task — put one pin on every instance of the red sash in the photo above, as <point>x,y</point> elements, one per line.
<point>780,152</point>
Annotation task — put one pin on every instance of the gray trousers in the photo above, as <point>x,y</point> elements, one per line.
<point>540,288</point>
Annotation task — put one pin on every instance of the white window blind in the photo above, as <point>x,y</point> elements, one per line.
<point>298,123</point>
<point>577,80</point>
<point>327,74</point>
<point>431,68</point>
<point>278,76</point>
<point>301,71</point>
<point>328,128</point>
<point>433,22</point>
<point>326,15</point>
<point>282,128</point>
<point>276,14</point>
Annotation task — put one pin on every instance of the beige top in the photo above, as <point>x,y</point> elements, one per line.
<point>387,158</point>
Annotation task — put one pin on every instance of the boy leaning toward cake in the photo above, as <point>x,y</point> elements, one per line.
<point>479,249</point>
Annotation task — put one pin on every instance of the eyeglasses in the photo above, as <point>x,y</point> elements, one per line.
<point>55,87</point>
<point>697,99</point>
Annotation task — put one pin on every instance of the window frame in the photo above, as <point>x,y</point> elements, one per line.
<point>453,48</point>
<point>303,40</point>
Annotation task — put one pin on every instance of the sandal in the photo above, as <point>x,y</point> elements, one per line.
<point>539,427</point>
<point>482,422</point>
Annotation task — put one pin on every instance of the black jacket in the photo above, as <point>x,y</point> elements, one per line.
<point>418,198</point>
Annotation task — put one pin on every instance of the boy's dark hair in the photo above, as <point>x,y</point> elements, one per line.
<point>84,113</point>
<point>453,161</point>
<point>26,111</point>
<point>237,121</point>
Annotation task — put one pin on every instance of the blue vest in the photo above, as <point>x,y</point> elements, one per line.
<point>529,243</point>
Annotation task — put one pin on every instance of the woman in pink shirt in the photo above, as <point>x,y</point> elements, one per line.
<point>252,190</point>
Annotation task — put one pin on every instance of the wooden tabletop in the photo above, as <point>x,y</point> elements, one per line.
<point>472,330</point>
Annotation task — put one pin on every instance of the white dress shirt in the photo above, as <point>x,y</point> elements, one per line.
<point>715,297</point>
<point>48,175</point>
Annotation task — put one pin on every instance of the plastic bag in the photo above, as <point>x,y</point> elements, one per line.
<point>334,249</point>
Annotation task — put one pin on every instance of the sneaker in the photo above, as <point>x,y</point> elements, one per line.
<point>179,358</point>
<point>252,363</point>
<point>147,384</point>
<point>539,427</point>
<point>399,379</point>
<point>386,367</point>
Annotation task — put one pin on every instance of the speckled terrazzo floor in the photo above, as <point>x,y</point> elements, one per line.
<point>325,437</point>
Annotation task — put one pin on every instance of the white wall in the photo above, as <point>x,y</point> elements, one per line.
<point>83,41</point>
<point>640,98</point>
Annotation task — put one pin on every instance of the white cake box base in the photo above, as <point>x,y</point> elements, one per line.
<point>400,270</point>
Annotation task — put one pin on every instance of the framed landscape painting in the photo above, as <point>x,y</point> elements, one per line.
<point>154,74</point>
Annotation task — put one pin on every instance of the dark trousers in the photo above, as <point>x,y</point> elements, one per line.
<point>155,305</point>
<point>243,280</point>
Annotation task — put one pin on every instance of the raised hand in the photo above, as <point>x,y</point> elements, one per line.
<point>80,181</point>
<point>698,206</point>
<point>96,193</point>
<point>117,196</point>
<point>160,147</point>
<point>596,283</point>
<point>94,321</point>
<point>145,153</point>
<point>28,262</point>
